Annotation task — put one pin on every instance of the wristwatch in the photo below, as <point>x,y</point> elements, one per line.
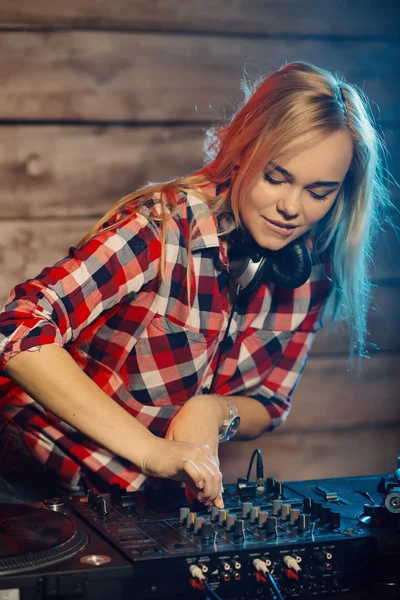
<point>231,424</point>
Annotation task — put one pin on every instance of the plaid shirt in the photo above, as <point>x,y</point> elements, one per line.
<point>133,333</point>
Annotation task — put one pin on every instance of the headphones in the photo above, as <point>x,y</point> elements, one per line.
<point>250,265</point>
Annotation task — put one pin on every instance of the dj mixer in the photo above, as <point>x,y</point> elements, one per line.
<point>333,538</point>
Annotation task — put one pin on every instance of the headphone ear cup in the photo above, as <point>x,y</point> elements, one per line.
<point>252,277</point>
<point>287,268</point>
<point>291,266</point>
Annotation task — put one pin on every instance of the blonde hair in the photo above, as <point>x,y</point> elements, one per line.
<point>295,100</point>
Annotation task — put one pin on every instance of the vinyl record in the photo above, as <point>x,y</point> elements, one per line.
<point>31,537</point>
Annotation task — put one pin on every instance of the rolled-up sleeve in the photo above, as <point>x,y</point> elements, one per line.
<point>56,306</point>
<point>276,391</point>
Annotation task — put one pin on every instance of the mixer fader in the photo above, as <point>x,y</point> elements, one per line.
<point>316,538</point>
<point>333,538</point>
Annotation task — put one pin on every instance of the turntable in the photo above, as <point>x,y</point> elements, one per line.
<point>324,539</point>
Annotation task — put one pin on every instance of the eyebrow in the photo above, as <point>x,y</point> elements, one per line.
<point>311,185</point>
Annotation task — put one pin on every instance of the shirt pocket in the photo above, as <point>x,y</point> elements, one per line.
<point>168,362</point>
<point>190,334</point>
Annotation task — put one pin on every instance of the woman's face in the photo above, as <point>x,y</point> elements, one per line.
<point>289,198</point>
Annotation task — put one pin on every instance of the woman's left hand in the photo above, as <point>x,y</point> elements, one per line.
<point>199,421</point>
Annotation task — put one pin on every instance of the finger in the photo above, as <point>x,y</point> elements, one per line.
<point>204,479</point>
<point>212,482</point>
<point>214,463</point>
<point>195,474</point>
<point>206,451</point>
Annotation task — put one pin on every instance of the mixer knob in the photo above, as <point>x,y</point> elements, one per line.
<point>222,516</point>
<point>183,513</point>
<point>307,504</point>
<point>285,511</point>
<point>276,506</point>
<point>304,522</point>
<point>324,514</point>
<point>246,508</point>
<point>254,514</point>
<point>230,522</point>
<point>392,500</point>
<point>190,520</point>
<point>239,528</point>
<point>270,485</point>
<point>279,489</point>
<point>271,525</point>
<point>206,530</point>
<point>198,523</point>
<point>91,497</point>
<point>315,510</point>
<point>102,508</point>
<point>215,513</point>
<point>97,502</point>
<point>262,518</point>
<point>334,519</point>
<point>370,510</point>
<point>294,516</point>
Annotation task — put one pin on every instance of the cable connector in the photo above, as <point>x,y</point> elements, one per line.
<point>196,573</point>
<point>260,566</point>
<point>291,563</point>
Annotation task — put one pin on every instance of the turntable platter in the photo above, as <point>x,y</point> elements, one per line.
<point>33,537</point>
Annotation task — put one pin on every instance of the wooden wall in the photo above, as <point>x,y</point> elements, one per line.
<point>98,98</point>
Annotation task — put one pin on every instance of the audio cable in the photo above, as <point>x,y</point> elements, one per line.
<point>259,467</point>
<point>278,594</point>
<point>213,593</point>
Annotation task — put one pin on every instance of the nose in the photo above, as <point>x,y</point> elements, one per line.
<point>289,203</point>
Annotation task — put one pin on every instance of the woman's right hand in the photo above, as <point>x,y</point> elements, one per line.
<point>194,464</point>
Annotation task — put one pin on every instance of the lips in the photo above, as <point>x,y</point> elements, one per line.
<point>280,224</point>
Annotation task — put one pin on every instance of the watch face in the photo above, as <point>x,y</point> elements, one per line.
<point>232,429</point>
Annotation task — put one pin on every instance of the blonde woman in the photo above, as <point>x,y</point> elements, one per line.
<point>144,348</point>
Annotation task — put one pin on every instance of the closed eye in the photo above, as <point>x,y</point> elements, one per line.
<point>281,181</point>
<point>273,181</point>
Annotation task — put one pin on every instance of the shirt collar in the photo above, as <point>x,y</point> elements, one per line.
<point>205,224</point>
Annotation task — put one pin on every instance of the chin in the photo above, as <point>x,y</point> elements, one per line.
<point>271,243</point>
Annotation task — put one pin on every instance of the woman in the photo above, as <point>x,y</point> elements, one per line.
<point>114,360</point>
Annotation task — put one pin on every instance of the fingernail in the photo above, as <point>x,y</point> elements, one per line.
<point>200,484</point>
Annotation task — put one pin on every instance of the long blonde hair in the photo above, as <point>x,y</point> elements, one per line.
<point>297,99</point>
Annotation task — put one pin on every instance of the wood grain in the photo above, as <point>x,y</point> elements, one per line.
<point>310,17</point>
<point>315,455</point>
<point>77,75</point>
<point>56,171</point>
<point>383,326</point>
<point>80,171</point>
<point>331,395</point>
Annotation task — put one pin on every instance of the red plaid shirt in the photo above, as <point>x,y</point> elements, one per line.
<point>135,336</point>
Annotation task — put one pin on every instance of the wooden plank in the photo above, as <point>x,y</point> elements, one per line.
<point>303,456</point>
<point>310,17</point>
<point>383,326</point>
<point>113,76</point>
<point>81,171</point>
<point>56,171</point>
<point>27,247</point>
<point>330,394</point>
